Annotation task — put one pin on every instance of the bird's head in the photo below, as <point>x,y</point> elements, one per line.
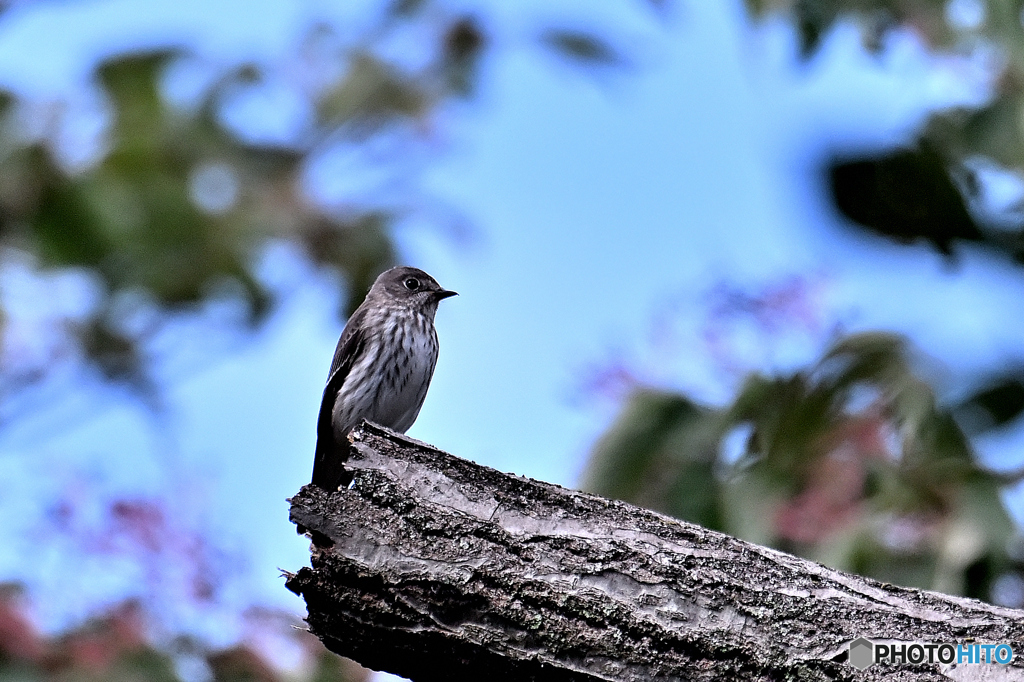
<point>409,286</point>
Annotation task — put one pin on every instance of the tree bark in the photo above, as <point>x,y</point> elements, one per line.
<point>436,568</point>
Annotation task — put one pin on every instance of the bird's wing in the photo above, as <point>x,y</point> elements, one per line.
<point>328,461</point>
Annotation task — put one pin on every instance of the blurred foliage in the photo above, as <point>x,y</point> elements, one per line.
<point>115,647</point>
<point>153,197</point>
<point>905,195</point>
<point>854,462</point>
<point>998,403</point>
<point>163,217</point>
<point>851,462</point>
<point>174,209</point>
<point>585,48</point>
<point>931,188</point>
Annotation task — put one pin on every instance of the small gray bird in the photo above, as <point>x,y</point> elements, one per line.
<point>382,365</point>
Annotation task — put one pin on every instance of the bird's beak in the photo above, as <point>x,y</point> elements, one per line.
<point>442,294</point>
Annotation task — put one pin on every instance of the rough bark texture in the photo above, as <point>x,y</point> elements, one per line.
<point>435,568</point>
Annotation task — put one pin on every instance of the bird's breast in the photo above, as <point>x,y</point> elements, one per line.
<point>390,381</point>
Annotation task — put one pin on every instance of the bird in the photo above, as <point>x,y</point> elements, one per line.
<point>382,365</point>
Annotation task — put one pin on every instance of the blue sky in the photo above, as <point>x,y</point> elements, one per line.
<point>596,201</point>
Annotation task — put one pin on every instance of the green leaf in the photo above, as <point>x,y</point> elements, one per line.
<point>661,454</point>
<point>371,92</point>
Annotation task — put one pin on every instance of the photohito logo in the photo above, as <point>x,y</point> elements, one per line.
<point>864,653</point>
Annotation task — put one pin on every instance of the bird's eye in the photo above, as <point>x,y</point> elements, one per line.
<point>412,284</point>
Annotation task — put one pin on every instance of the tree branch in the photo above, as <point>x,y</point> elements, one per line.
<point>436,568</point>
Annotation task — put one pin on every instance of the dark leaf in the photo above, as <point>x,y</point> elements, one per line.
<point>404,8</point>
<point>813,20</point>
<point>995,405</point>
<point>462,46</point>
<point>585,48</point>
<point>905,195</point>
<point>116,354</point>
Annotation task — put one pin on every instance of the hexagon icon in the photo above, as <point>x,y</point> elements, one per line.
<point>862,653</point>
